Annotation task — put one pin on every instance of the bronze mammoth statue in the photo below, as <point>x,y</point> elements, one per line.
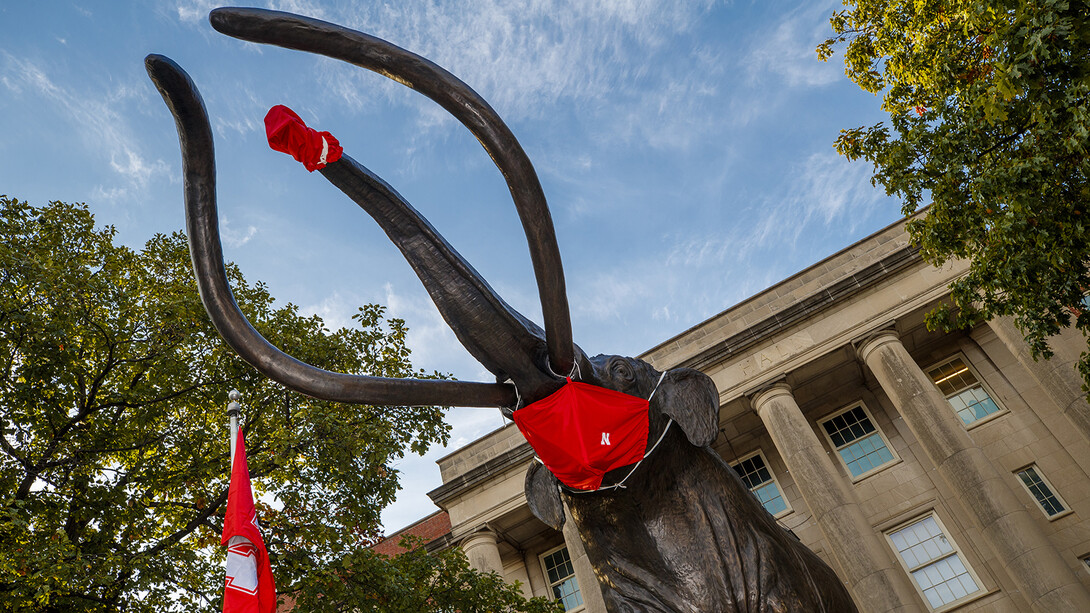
<point>683,533</point>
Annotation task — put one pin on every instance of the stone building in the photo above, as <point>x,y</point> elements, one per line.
<point>932,471</point>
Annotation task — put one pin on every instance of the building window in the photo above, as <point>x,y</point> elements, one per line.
<point>562,581</point>
<point>860,445</point>
<point>963,391</point>
<point>1041,491</point>
<point>759,479</point>
<point>934,562</point>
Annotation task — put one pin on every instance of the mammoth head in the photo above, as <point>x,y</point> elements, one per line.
<point>529,362</point>
<point>682,396</point>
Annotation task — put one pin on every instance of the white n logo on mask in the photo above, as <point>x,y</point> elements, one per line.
<point>605,438</point>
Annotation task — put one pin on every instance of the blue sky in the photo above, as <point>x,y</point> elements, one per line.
<point>686,148</point>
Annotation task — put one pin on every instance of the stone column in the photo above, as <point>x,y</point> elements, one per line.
<point>865,563</point>
<point>584,572</point>
<point>984,492</point>
<point>483,552</point>
<point>1057,377</point>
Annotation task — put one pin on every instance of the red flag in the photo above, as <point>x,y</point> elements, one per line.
<point>250,587</point>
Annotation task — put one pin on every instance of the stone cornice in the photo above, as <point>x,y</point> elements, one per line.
<point>481,473</point>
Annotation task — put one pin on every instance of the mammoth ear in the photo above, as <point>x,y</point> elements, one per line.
<point>543,496</point>
<point>691,399</point>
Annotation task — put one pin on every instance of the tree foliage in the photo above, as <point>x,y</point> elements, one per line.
<point>416,580</point>
<point>114,458</point>
<point>989,123</point>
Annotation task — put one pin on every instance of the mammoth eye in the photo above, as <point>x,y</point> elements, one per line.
<point>620,369</point>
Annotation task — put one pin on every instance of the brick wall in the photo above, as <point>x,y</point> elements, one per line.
<point>429,529</point>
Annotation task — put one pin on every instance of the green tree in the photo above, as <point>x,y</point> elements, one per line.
<point>114,460</point>
<point>416,580</point>
<point>989,124</point>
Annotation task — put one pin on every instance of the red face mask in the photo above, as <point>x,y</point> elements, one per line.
<point>582,431</point>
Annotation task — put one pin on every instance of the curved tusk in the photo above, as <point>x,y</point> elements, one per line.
<point>202,225</point>
<point>418,73</point>
<point>499,337</point>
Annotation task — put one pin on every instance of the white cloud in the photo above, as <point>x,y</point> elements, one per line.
<point>434,345</point>
<point>822,193</point>
<point>523,56</point>
<point>679,111</point>
<point>129,163</point>
<point>699,250</point>
<point>299,7</point>
<point>195,10</point>
<point>827,192</point>
<point>336,310</point>
<point>234,237</point>
<point>836,189</point>
<point>96,116</point>
<point>109,194</point>
<point>608,296</point>
<point>788,50</point>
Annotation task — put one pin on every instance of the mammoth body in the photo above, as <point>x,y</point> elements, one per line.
<point>684,534</point>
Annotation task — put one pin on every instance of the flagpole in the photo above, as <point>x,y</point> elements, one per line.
<point>233,409</point>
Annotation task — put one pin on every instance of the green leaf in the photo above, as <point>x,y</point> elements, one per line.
<point>114,452</point>
<point>1000,149</point>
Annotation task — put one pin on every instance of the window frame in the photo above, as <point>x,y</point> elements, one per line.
<point>549,585</point>
<point>836,450</point>
<point>980,381</point>
<point>982,590</point>
<point>775,480</point>
<point>1067,510</point>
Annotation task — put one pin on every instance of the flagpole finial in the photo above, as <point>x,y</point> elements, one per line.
<point>233,407</point>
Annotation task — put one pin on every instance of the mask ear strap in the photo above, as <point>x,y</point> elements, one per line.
<point>518,396</point>
<point>571,375</point>
<point>663,376</point>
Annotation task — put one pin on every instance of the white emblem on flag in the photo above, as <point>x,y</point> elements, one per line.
<point>242,565</point>
<point>605,438</point>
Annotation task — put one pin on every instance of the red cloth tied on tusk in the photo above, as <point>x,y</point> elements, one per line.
<point>287,133</point>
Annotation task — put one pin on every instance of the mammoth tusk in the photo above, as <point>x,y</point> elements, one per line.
<point>198,162</point>
<point>315,36</point>
<point>498,336</point>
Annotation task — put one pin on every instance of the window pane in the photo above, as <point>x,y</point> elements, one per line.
<point>973,404</point>
<point>1040,490</point>
<point>758,478</point>
<point>750,471</point>
<point>935,565</point>
<point>562,580</point>
<point>866,455</point>
<point>857,441</point>
<point>568,592</point>
<point>966,395</point>
<point>952,377</point>
<point>770,498</point>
